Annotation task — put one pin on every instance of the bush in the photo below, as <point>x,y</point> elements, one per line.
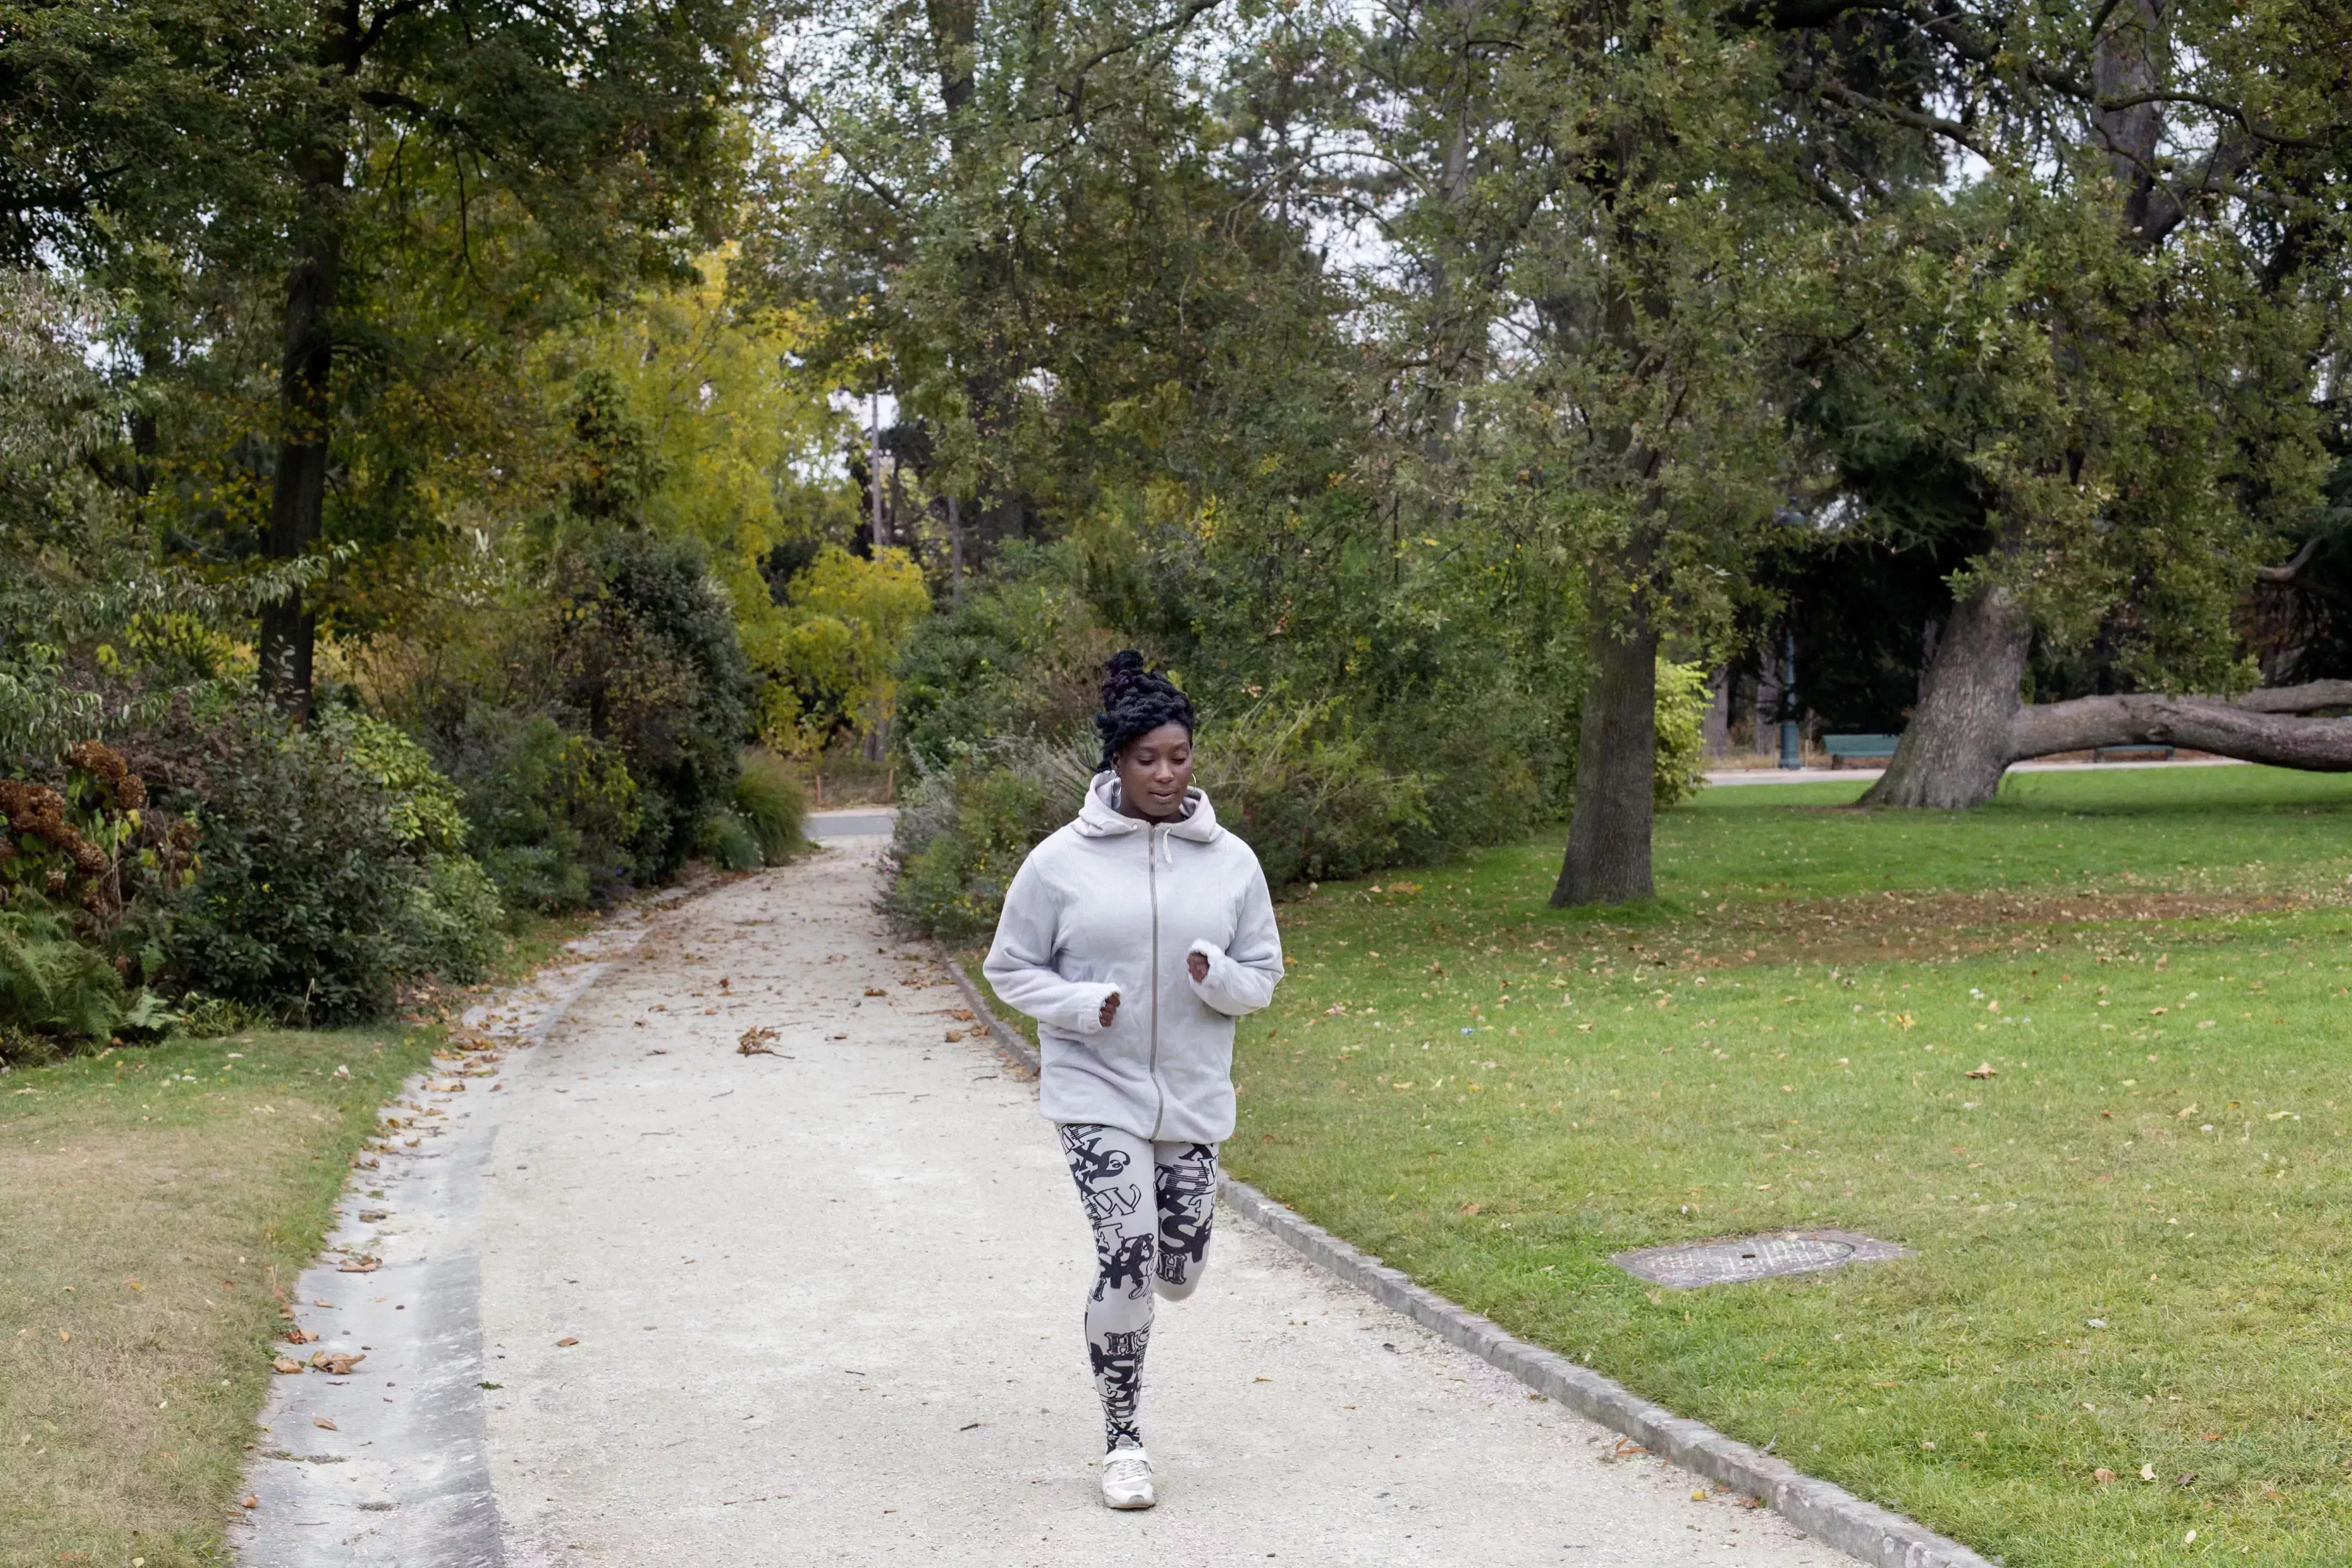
<point>50,983</point>
<point>963,830</point>
<point>1682,704</point>
<point>454,920</point>
<point>552,814</point>
<point>648,655</point>
<point>428,812</point>
<point>1311,804</point>
<point>305,892</point>
<point>330,867</point>
<point>728,843</point>
<point>1020,656</point>
<point>768,801</point>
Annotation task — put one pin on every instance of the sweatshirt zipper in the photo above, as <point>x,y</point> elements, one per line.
<point>1152,865</point>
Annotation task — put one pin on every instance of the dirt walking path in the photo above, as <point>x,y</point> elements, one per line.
<point>821,1307</point>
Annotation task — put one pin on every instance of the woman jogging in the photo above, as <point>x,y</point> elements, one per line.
<point>1134,936</point>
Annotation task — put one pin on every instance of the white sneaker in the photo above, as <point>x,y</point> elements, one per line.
<point>1127,1479</point>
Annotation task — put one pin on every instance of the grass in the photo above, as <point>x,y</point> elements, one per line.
<point>152,1203</point>
<point>2130,1240</point>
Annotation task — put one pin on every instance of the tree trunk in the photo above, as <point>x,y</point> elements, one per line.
<point>1957,745</point>
<point>2262,727</point>
<point>1608,859</point>
<point>298,501</point>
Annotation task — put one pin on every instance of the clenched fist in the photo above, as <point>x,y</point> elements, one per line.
<point>1109,1009</point>
<point>1198,963</point>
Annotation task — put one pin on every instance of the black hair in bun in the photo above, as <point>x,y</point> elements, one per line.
<point>1136,701</point>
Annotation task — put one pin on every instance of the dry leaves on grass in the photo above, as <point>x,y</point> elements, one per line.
<point>1982,1069</point>
<point>757,1042</point>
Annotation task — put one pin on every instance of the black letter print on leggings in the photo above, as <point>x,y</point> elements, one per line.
<point>1118,1377</point>
<point>1188,1192</point>
<point>1125,1255</point>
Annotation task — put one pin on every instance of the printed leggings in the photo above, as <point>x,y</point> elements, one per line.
<point>1150,1205</point>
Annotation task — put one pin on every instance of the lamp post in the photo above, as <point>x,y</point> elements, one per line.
<point>1792,750</point>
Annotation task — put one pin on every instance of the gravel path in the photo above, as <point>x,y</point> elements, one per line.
<point>826,1310</point>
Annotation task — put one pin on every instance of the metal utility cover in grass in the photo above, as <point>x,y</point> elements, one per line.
<point>1742,1259</point>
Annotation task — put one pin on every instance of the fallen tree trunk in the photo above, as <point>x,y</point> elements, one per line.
<point>2270,727</point>
<point>2263,727</point>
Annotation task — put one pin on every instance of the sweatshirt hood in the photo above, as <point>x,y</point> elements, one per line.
<point>1100,817</point>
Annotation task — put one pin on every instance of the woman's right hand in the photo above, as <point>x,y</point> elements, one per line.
<point>1109,1009</point>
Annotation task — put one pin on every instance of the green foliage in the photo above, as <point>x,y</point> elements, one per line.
<point>1684,699</point>
<point>831,665</point>
<point>729,842</point>
<point>427,812</point>
<point>53,984</point>
<point>305,884</point>
<point>1309,799</point>
<point>552,813</point>
<point>963,830</point>
<point>769,802</point>
<point>1021,656</point>
<point>310,902</point>
<point>647,654</point>
<point>451,928</point>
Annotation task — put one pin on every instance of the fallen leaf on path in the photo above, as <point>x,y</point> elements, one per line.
<point>284,1363</point>
<point>876,991</point>
<point>359,1265</point>
<point>561,1343</point>
<point>299,1336</point>
<point>1982,1069</point>
<point>755,1042</point>
<point>963,1013</point>
<point>251,1500</point>
<point>955,1033</point>
<point>323,1424</point>
<point>371,1216</point>
<point>339,1364</point>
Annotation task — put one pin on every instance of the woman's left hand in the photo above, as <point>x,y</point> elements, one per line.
<point>1197,965</point>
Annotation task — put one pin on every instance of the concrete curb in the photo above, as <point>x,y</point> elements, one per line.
<point>1828,1513</point>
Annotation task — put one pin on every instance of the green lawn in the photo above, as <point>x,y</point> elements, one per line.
<point>2131,1238</point>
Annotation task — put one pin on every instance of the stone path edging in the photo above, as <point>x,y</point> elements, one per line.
<point>1827,1512</point>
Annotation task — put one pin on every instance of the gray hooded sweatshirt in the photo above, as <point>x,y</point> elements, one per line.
<point>1111,903</point>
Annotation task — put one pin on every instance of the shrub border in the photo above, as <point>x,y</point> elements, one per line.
<point>1827,1512</point>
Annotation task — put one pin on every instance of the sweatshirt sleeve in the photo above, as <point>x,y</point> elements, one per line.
<point>1242,977</point>
<point>1020,961</point>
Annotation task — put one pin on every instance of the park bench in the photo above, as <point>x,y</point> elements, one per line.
<point>1845,748</point>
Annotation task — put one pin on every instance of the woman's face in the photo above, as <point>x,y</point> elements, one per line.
<point>1154,771</point>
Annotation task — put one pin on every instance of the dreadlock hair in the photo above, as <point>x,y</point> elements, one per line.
<point>1136,701</point>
